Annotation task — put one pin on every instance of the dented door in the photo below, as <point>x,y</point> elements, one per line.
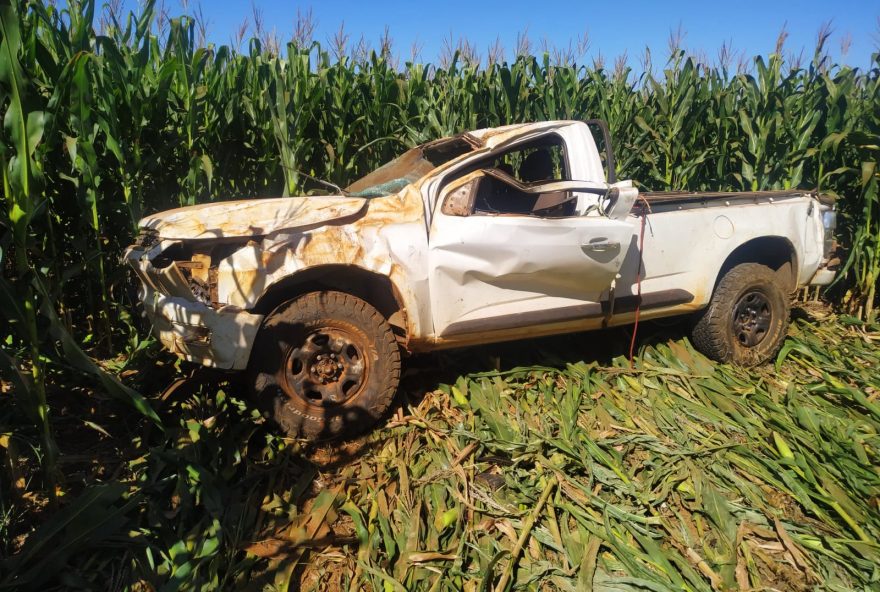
<point>500,272</point>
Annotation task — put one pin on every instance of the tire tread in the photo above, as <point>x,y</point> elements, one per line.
<point>312,307</point>
<point>710,331</point>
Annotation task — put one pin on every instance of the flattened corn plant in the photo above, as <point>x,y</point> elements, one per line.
<point>680,474</point>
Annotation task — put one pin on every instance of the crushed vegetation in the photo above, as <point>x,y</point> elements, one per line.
<point>678,474</point>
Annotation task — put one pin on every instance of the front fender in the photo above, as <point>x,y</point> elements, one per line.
<point>390,240</point>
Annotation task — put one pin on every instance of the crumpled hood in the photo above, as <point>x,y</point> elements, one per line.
<point>251,217</point>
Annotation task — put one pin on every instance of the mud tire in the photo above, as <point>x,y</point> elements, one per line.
<point>719,331</point>
<point>291,334</point>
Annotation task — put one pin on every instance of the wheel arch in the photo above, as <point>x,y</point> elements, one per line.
<point>376,289</point>
<point>776,252</point>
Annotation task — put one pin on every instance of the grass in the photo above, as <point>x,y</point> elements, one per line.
<point>678,475</point>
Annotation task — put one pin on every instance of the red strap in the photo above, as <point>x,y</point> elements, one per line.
<point>632,343</point>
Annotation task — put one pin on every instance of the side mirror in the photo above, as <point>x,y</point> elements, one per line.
<point>458,198</point>
<point>620,202</point>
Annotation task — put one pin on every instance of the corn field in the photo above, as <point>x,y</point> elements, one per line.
<point>103,124</point>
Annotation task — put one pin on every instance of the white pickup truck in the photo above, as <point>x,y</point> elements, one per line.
<point>492,235</point>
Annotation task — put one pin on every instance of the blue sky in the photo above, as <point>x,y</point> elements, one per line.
<point>613,27</point>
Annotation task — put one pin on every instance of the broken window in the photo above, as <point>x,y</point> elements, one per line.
<point>542,160</point>
<point>412,166</point>
<point>508,179</point>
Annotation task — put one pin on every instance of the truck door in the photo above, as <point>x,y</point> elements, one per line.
<point>508,248</point>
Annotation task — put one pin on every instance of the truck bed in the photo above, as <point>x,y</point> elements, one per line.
<point>689,196</point>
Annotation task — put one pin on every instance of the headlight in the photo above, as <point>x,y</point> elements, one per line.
<point>829,221</point>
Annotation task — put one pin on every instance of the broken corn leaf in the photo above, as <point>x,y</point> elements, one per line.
<point>446,519</point>
<point>782,446</point>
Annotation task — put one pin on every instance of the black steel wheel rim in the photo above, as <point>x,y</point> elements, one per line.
<point>328,368</point>
<point>752,317</point>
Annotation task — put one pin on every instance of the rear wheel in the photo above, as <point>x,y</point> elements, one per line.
<point>325,365</point>
<point>747,319</point>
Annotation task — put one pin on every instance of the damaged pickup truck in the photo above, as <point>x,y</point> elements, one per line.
<point>493,235</point>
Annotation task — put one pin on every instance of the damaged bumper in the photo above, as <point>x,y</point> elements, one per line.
<point>198,333</point>
<point>823,277</point>
<point>219,337</point>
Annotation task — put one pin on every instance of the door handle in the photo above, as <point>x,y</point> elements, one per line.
<point>600,247</point>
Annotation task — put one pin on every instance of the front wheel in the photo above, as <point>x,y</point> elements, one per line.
<point>325,365</point>
<point>747,319</point>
